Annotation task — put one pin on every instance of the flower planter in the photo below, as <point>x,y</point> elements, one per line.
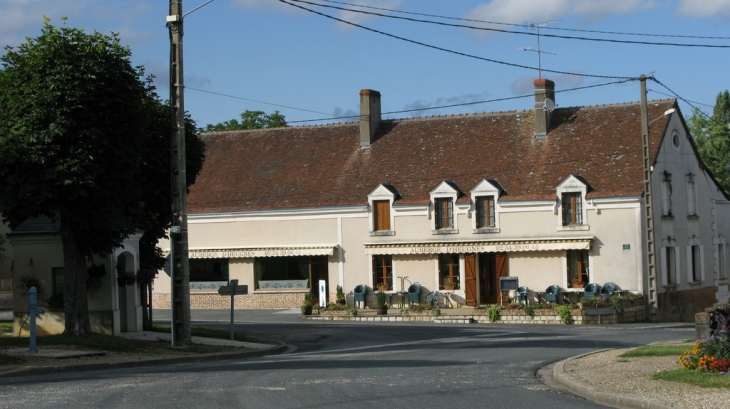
<point>381,310</point>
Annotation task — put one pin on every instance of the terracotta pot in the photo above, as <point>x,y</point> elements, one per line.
<point>340,302</point>
<point>578,285</point>
<point>381,310</point>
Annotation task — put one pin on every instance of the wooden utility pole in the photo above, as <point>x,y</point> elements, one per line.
<point>180,272</point>
<point>648,208</point>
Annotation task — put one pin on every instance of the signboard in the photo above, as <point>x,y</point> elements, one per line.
<point>322,293</point>
<point>509,283</point>
<point>233,289</point>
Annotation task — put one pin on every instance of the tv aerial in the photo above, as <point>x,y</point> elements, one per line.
<point>536,26</point>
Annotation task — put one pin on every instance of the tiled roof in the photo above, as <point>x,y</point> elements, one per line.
<point>313,166</point>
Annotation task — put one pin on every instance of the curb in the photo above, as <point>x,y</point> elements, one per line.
<point>280,348</point>
<point>598,395</point>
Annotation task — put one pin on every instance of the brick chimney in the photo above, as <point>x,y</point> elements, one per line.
<point>369,116</point>
<point>544,91</point>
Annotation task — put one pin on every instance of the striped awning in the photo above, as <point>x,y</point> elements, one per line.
<point>486,246</point>
<point>272,251</point>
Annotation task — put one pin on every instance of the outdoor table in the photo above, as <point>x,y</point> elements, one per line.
<point>390,294</point>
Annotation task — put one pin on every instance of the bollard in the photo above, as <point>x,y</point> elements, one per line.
<point>32,312</point>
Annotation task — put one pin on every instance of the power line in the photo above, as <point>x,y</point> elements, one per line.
<point>445,49</point>
<point>607,40</point>
<point>674,96</point>
<point>522,25</point>
<point>253,100</point>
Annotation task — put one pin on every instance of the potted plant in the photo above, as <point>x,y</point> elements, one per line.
<point>307,304</point>
<point>382,307</point>
<point>340,295</point>
<point>383,286</point>
<point>449,286</point>
<point>577,283</point>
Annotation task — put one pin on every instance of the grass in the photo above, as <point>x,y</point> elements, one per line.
<point>697,378</point>
<point>6,327</point>
<point>657,350</point>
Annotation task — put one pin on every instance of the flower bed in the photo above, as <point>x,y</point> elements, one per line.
<point>712,354</point>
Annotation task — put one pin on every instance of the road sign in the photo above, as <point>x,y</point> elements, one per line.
<point>233,290</point>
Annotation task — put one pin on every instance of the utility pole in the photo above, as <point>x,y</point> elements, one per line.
<point>648,208</point>
<point>180,272</point>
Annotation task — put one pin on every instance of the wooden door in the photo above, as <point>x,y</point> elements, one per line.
<point>470,274</point>
<point>501,271</point>
<point>317,271</point>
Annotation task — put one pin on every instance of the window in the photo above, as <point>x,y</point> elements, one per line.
<point>666,191</point>
<point>691,196</point>
<point>449,270</point>
<point>696,263</point>
<point>572,209</point>
<point>721,272</point>
<point>485,211</point>
<point>383,270</point>
<point>577,266</point>
<point>444,213</point>
<point>669,267</point>
<point>381,215</point>
<point>208,269</point>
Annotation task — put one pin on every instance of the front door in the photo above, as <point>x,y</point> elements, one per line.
<point>317,271</point>
<point>470,274</point>
<point>491,267</point>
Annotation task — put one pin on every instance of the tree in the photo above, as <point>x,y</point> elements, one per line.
<point>250,120</point>
<point>72,126</point>
<point>712,135</point>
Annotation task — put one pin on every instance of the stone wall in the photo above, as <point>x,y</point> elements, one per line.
<point>214,301</point>
<point>636,313</point>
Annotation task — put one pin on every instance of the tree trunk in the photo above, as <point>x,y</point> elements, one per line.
<point>76,305</point>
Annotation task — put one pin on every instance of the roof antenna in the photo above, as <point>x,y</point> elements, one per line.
<point>537,26</point>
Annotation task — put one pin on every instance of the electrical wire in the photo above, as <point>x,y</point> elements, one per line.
<point>674,96</point>
<point>523,25</point>
<point>253,100</point>
<point>606,40</point>
<point>445,49</point>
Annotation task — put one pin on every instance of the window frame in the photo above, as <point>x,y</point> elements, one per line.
<point>384,192</point>
<point>572,208</point>
<point>444,265</point>
<point>695,262</point>
<point>572,186</point>
<point>669,259</point>
<point>691,186</point>
<point>444,213</point>
<point>583,259</point>
<point>381,215</point>
<point>666,195</point>
<point>445,194</point>
<point>387,274</point>
<point>485,212</point>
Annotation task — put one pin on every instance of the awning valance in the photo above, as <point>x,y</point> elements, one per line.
<point>273,251</point>
<point>486,246</point>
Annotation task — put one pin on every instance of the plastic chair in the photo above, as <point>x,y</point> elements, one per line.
<point>608,290</point>
<point>414,293</point>
<point>360,292</point>
<point>433,298</point>
<point>522,294</point>
<point>591,290</point>
<point>552,294</point>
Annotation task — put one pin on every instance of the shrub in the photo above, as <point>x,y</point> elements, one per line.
<point>340,293</point>
<point>493,312</point>
<point>380,300</point>
<point>564,313</point>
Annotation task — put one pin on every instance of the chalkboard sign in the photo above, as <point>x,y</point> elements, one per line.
<point>509,283</point>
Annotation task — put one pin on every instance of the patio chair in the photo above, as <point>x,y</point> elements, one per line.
<point>433,298</point>
<point>608,290</point>
<point>591,290</point>
<point>414,293</point>
<point>522,294</point>
<point>360,292</point>
<point>552,294</point>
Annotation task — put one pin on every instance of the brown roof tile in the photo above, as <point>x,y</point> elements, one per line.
<point>315,166</point>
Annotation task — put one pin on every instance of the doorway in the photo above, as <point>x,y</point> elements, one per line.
<point>491,266</point>
<point>318,271</point>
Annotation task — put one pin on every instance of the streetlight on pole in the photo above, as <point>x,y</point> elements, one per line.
<point>179,269</point>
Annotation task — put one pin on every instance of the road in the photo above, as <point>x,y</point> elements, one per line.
<point>336,365</point>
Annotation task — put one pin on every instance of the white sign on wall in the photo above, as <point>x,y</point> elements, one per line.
<point>322,293</point>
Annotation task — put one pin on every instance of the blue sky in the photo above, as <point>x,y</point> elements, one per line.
<point>268,51</point>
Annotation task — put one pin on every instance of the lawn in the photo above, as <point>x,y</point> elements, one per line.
<point>697,378</point>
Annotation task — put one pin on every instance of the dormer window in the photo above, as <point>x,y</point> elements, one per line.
<point>443,209</point>
<point>571,205</point>
<point>380,209</point>
<point>485,208</point>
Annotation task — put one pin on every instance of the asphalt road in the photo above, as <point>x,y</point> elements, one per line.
<point>388,365</point>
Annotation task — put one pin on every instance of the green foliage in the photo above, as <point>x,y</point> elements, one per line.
<point>249,120</point>
<point>340,293</point>
<point>307,302</point>
<point>618,304</point>
<point>564,313</point>
<point>422,309</point>
<point>701,379</point>
<point>528,309</point>
<point>712,136</point>
<point>380,299</point>
<point>493,312</point>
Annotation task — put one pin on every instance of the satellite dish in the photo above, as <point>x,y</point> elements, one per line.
<point>549,105</point>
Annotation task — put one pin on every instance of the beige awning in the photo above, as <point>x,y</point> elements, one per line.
<point>486,246</point>
<point>273,251</point>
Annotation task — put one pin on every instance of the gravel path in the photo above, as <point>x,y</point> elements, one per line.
<point>607,371</point>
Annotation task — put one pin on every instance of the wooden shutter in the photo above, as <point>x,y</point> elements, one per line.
<point>381,216</point>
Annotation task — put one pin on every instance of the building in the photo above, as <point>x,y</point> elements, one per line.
<point>550,196</point>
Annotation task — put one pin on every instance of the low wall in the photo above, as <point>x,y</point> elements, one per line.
<point>635,313</point>
<point>215,301</point>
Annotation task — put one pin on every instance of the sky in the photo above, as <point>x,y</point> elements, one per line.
<point>268,55</point>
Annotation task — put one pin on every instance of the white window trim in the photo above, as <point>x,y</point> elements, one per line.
<point>484,188</point>
<point>443,191</point>
<point>691,179</point>
<point>380,193</point>
<point>571,184</point>
<point>663,260</point>
<point>690,268</point>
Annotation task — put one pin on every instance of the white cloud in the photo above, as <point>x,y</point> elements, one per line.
<point>704,8</point>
